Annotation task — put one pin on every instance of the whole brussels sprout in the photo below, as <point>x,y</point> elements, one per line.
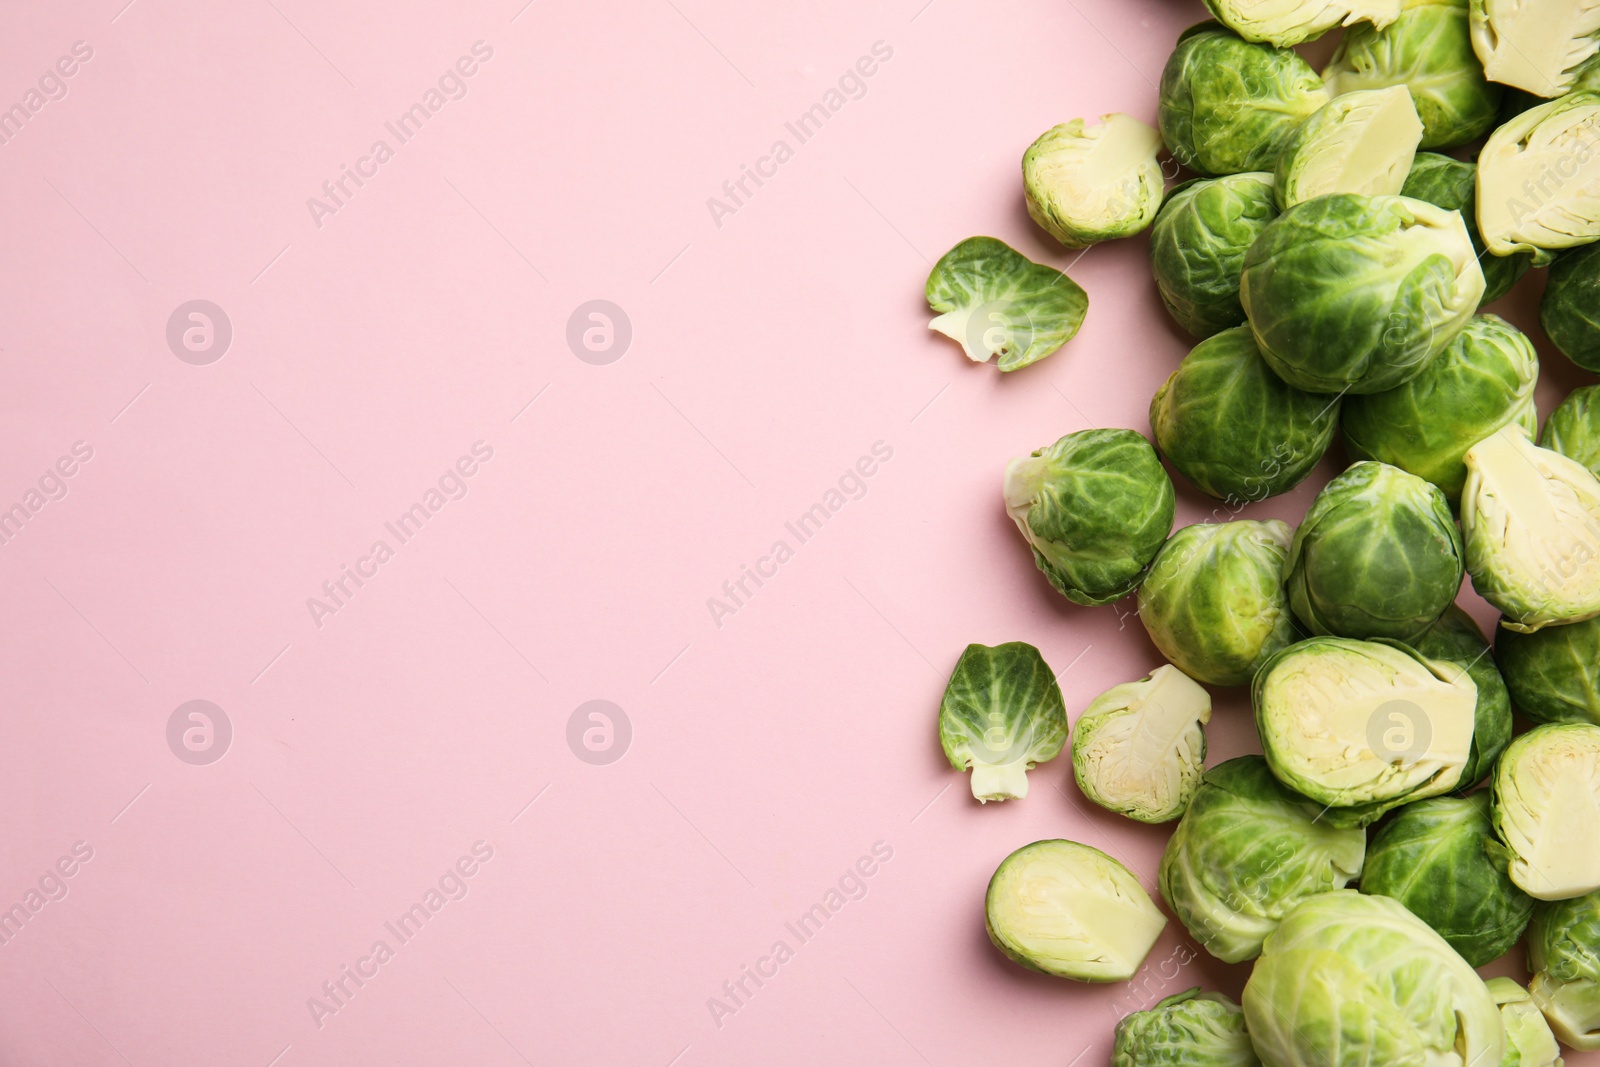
<point>1455,638</point>
<point>1139,748</point>
<point>1554,673</point>
<point>1539,47</point>
<point>1228,105</point>
<point>1189,1029</point>
<point>1001,305</point>
<point>1213,601</point>
<point>1002,713</point>
<point>1095,508</point>
<point>1547,809</point>
<point>1355,294</point>
<point>1537,178</point>
<point>1440,859</point>
<point>1288,24</point>
<point>1452,184</point>
<point>1573,428</point>
<point>1245,853</point>
<point>1197,247</point>
<point>1363,726</point>
<point>1351,979</point>
<point>1070,910</point>
<point>1092,183</point>
<point>1529,1042</point>
<point>1531,520</point>
<point>1570,308</point>
<point>1233,428</point>
<point>1483,380</point>
<point>1377,555</point>
<point>1428,49</point>
<point>1564,955</point>
<point>1362,142</point>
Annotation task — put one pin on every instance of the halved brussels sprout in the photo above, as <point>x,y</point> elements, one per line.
<point>1095,508</point>
<point>1535,45</point>
<point>1554,673</point>
<point>1377,555</point>
<point>1483,380</point>
<point>1364,726</point>
<point>1428,49</point>
<point>1197,247</point>
<point>1564,955</point>
<point>1139,748</point>
<point>1452,184</point>
<point>1246,852</point>
<point>1457,639</point>
<point>1355,294</point>
<point>1362,142</point>
<point>1547,809</point>
<point>1537,178</point>
<point>1092,183</point>
<point>998,303</point>
<point>1573,428</point>
<point>1288,23</point>
<point>1002,713</point>
<point>1070,910</point>
<point>1440,859</point>
<point>1228,105</point>
<point>1189,1029</point>
<point>1233,428</point>
<point>1570,308</point>
<point>1529,1042</point>
<point>1213,601</point>
<point>1350,979</point>
<point>1531,519</point>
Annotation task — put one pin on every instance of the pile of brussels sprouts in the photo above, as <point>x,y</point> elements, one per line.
<point>1331,271</point>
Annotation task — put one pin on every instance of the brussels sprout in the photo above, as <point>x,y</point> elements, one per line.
<point>1095,508</point>
<point>997,302</point>
<point>1071,910</point>
<point>1570,308</point>
<point>1355,294</point>
<point>1456,639</point>
<point>1363,726</point>
<point>1190,1029</point>
<point>1483,380</point>
<point>1287,24</point>
<point>1531,519</point>
<point>1547,809</point>
<point>1362,142</point>
<point>1091,183</point>
<point>1228,105</point>
<point>1246,852</point>
<point>1377,555</point>
<point>1535,45</point>
<point>1564,955</point>
<point>1350,979</point>
<point>1529,1042</point>
<point>1002,713</point>
<point>1553,674</point>
<point>1233,428</point>
<point>1573,428</point>
<point>1450,183</point>
<point>1139,748</point>
<point>1213,601</point>
<point>1197,247</point>
<point>1538,175</point>
<point>1440,859</point>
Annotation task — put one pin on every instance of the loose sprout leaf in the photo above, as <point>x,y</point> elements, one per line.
<point>1000,305</point>
<point>1289,22</point>
<point>1535,45</point>
<point>1139,748</point>
<point>1547,810</point>
<point>1087,183</point>
<point>1002,713</point>
<point>1362,142</point>
<point>1539,178</point>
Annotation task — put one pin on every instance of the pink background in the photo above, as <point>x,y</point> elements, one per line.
<point>369,352</point>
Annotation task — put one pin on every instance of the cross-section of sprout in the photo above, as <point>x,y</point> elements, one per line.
<point>1570,308</point>
<point>1285,23</point>
<point>1362,142</point>
<point>1547,809</point>
<point>1071,910</point>
<point>1539,178</point>
<point>1000,305</point>
<point>1554,673</point>
<point>1088,183</point>
<point>1535,45</point>
<point>1188,1029</point>
<point>1139,748</point>
<point>1529,1042</point>
<point>1457,639</point>
<point>1002,713</point>
<point>1452,184</point>
<point>1564,955</point>
<point>1197,247</point>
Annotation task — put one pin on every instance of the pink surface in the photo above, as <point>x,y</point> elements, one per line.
<point>413,735</point>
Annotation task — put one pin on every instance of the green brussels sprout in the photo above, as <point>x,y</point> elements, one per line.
<point>1531,520</point>
<point>1547,809</point>
<point>1197,247</point>
<point>1232,427</point>
<point>1189,1029</point>
<point>1452,184</point>
<point>1349,979</point>
<point>1535,45</point>
<point>1455,638</point>
<point>1428,49</point>
<point>1070,910</point>
<point>1227,105</point>
<point>1139,748</point>
<point>1377,555</point>
<point>1213,601</point>
<point>1355,294</point>
<point>1537,178</point>
<point>1554,673</point>
<point>1440,859</point>
<point>1289,24</point>
<point>1483,380</point>
<point>1362,142</point>
<point>1245,853</point>
<point>1564,955</point>
<point>1364,726</point>
<point>1095,508</point>
<point>1092,183</point>
<point>998,303</point>
<point>1529,1042</point>
<point>1573,428</point>
<point>1570,308</point>
<point>1002,713</point>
